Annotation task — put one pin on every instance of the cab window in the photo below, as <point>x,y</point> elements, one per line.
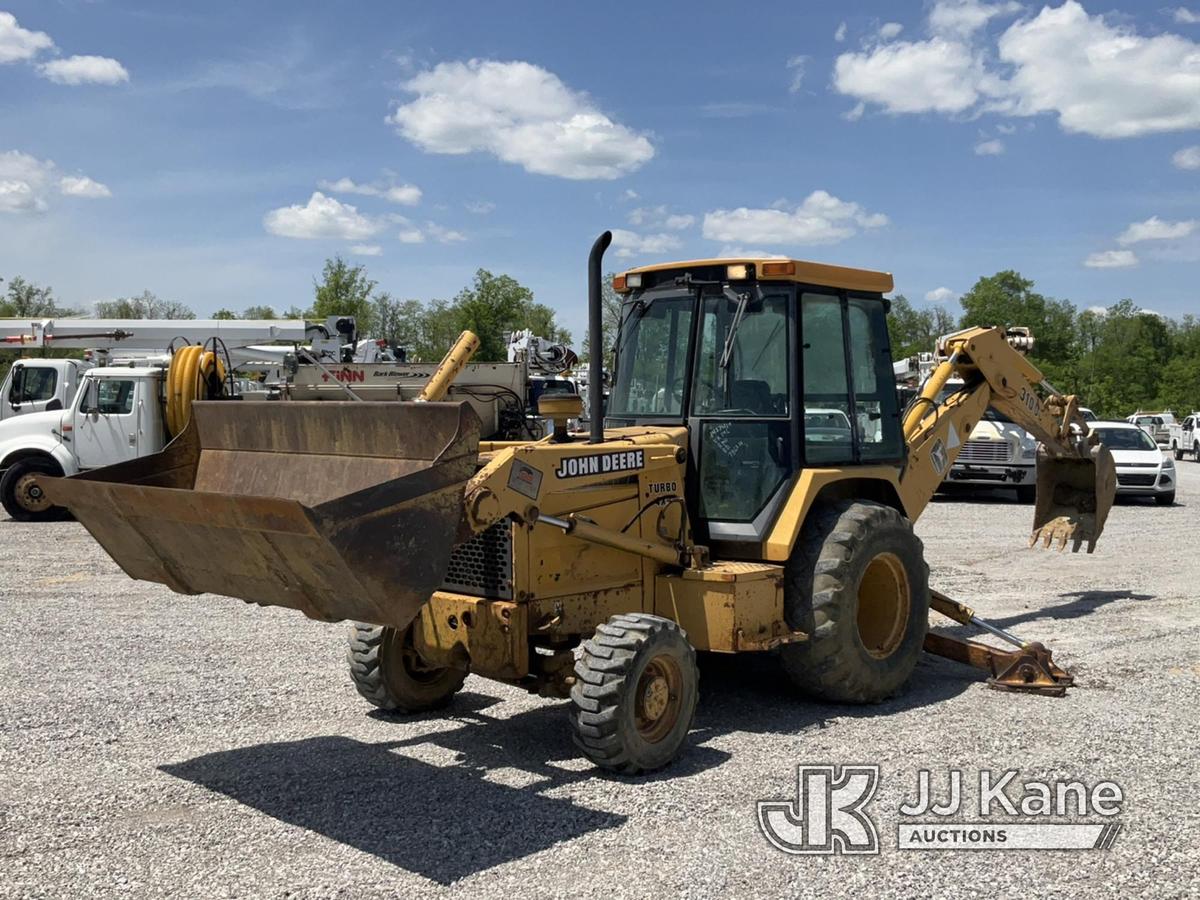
<point>652,367</point>
<point>115,396</point>
<point>36,384</point>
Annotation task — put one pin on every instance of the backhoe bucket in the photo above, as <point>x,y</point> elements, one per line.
<point>1073,498</point>
<point>340,510</point>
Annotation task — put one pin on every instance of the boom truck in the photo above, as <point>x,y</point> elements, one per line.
<point>698,515</point>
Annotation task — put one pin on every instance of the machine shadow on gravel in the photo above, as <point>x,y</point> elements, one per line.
<point>444,822</point>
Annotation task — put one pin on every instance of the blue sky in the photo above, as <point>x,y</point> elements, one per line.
<point>217,153</point>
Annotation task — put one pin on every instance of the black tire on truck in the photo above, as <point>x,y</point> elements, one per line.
<point>1027,493</point>
<point>387,671</point>
<point>857,582</point>
<point>635,692</point>
<point>22,496</point>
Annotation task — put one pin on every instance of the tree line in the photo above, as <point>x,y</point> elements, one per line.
<point>1117,359</point>
<point>489,306</point>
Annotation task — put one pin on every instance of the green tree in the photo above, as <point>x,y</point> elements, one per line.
<point>344,290</point>
<point>491,306</point>
<point>913,330</point>
<point>224,314</point>
<point>23,299</point>
<point>610,321</point>
<point>259,312</point>
<point>146,305</point>
<point>437,328</point>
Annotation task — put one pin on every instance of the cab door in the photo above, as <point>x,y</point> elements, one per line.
<point>106,425</point>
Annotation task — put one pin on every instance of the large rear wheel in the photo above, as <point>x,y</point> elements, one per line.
<point>22,495</point>
<point>387,671</point>
<point>858,584</point>
<point>635,693</point>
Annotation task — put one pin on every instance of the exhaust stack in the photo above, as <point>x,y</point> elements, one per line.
<point>596,339</point>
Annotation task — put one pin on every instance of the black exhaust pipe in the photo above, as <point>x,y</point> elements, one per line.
<point>596,339</point>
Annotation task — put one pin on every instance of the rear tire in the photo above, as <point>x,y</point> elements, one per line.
<point>1178,451</point>
<point>388,673</point>
<point>635,692</point>
<point>21,495</point>
<point>858,584</point>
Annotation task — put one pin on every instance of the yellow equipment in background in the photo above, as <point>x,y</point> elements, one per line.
<point>751,488</point>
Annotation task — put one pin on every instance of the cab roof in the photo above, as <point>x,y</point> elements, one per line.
<point>766,268</point>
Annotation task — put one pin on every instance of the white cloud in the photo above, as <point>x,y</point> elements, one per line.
<point>941,295</point>
<point>856,113</point>
<point>1188,158</point>
<point>1100,311</point>
<point>731,252</point>
<point>820,219</point>
<point>479,207</point>
<point>1185,16</point>
<point>797,65</point>
<point>890,30</point>
<point>84,70</point>
<point>629,194</point>
<point>1111,259</point>
<point>1103,80</point>
<point>937,75</point>
<point>519,113</point>
<point>444,235</point>
<point>629,243</point>
<point>993,147</point>
<point>1006,129</point>
<point>82,186</point>
<point>660,217</point>
<point>26,183</point>
<point>410,234</point>
<point>321,217</point>
<point>1098,78</point>
<point>404,194</point>
<point>366,250</point>
<point>1156,229</point>
<point>18,44</point>
<point>964,17</point>
<point>840,34</point>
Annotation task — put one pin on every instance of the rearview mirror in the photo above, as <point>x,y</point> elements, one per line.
<point>17,390</point>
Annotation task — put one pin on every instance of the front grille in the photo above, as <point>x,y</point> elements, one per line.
<point>1133,479</point>
<point>483,567</point>
<point>985,452</point>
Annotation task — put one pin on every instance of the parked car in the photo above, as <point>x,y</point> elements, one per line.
<point>1185,438</point>
<point>1157,425</point>
<point>1143,470</point>
<point>1088,415</point>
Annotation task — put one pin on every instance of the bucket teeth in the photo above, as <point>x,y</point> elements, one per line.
<point>1074,496</point>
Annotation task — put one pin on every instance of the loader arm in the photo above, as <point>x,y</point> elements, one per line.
<point>1076,476</point>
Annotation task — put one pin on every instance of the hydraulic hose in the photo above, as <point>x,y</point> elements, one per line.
<point>190,377</point>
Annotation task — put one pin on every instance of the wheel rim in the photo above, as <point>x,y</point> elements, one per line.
<point>884,605</point>
<point>30,495</point>
<point>411,665</point>
<point>658,699</point>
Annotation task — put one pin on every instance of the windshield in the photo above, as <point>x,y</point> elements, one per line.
<point>652,357</point>
<point>1125,439</point>
<point>754,382</point>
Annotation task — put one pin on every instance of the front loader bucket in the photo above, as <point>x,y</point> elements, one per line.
<point>340,510</point>
<point>1073,498</point>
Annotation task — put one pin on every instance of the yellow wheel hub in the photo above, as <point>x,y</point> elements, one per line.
<point>658,699</point>
<point>884,605</point>
<point>30,494</point>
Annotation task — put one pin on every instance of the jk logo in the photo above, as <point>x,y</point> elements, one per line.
<point>827,814</point>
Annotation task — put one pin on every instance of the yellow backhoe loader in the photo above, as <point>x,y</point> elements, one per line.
<point>751,489</point>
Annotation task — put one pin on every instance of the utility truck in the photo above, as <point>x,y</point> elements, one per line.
<point>699,514</point>
<point>1184,437</point>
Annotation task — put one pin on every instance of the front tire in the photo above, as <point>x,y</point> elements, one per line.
<point>1165,499</point>
<point>388,673</point>
<point>1027,493</point>
<point>635,692</point>
<point>858,584</point>
<point>22,496</point>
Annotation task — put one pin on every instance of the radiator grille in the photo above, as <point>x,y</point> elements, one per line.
<point>482,567</point>
<point>985,452</point>
<point>1133,479</point>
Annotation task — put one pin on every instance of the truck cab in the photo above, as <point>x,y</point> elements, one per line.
<point>115,415</point>
<point>38,385</point>
<point>1184,437</point>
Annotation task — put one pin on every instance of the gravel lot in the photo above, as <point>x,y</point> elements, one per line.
<point>157,745</point>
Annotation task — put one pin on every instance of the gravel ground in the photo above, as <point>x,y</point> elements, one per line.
<point>157,745</point>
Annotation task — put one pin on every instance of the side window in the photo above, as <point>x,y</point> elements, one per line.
<point>876,412</point>
<point>115,397</point>
<point>827,414</point>
<point>38,384</point>
<point>755,380</point>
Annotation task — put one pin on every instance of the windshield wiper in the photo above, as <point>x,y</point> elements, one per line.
<point>741,300</point>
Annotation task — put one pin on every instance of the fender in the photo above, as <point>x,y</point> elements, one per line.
<point>33,435</point>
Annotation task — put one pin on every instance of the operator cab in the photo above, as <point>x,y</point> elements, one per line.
<point>774,365</point>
